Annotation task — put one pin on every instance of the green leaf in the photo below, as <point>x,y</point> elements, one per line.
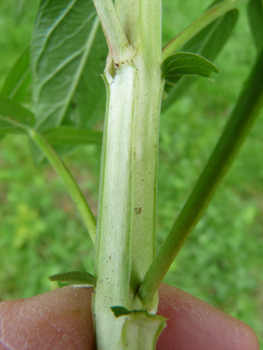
<point>69,135</point>
<point>68,56</point>
<point>186,64</point>
<point>19,9</point>
<point>74,277</point>
<point>208,43</point>
<point>120,311</point>
<point>255,16</point>
<point>18,80</point>
<point>11,113</point>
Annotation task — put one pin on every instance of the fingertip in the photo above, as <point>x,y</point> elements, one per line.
<point>59,319</point>
<point>194,324</point>
<point>62,319</point>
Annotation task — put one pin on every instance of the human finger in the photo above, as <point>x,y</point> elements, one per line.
<point>195,325</point>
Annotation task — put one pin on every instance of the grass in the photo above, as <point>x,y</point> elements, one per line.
<point>41,233</point>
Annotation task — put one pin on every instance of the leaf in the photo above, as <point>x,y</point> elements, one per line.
<point>19,9</point>
<point>18,80</point>
<point>12,112</point>
<point>208,43</point>
<point>68,55</point>
<point>74,277</point>
<point>255,17</point>
<point>69,135</point>
<point>186,64</point>
<point>120,311</point>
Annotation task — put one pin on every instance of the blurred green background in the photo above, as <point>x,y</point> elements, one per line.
<point>42,234</point>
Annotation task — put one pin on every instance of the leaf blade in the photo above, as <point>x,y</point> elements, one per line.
<point>186,64</point>
<point>13,111</point>
<point>208,42</point>
<point>74,277</point>
<point>64,35</point>
<point>120,311</point>
<point>18,79</point>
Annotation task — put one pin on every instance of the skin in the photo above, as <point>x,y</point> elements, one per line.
<point>62,319</point>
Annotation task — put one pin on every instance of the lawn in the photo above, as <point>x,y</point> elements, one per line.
<point>41,233</point>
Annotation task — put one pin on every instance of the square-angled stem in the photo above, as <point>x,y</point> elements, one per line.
<point>125,241</point>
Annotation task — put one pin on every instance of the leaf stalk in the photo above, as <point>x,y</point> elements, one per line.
<point>69,181</point>
<point>200,23</point>
<point>117,41</point>
<point>236,130</point>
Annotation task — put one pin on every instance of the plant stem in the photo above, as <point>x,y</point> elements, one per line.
<point>200,23</point>
<point>236,130</point>
<point>115,36</point>
<point>69,181</point>
<point>125,241</point>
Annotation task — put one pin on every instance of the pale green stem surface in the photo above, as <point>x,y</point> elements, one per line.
<point>141,330</point>
<point>69,181</point>
<point>114,34</point>
<point>200,23</point>
<point>236,130</point>
<point>125,240</point>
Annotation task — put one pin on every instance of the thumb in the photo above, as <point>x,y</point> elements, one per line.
<point>60,319</point>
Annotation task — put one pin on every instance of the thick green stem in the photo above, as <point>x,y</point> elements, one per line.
<point>241,120</point>
<point>125,241</point>
<point>200,23</point>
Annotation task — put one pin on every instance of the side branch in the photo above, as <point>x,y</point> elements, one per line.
<point>69,181</point>
<point>200,23</point>
<point>117,41</point>
<point>236,130</point>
